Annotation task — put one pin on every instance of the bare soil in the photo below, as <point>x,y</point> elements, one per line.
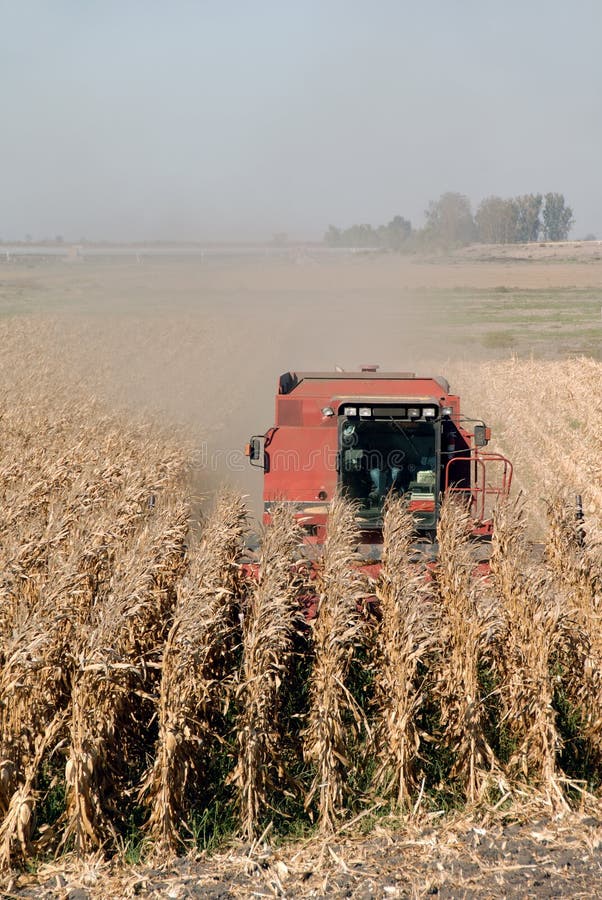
<point>547,857</point>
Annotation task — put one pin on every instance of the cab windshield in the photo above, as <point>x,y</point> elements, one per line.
<point>381,456</point>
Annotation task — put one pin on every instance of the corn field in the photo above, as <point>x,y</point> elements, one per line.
<point>545,417</point>
<point>152,686</point>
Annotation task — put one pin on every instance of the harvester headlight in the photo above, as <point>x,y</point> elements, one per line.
<point>446,411</point>
<point>327,411</point>
<point>365,412</point>
<point>350,410</point>
<point>428,412</point>
<point>413,412</point>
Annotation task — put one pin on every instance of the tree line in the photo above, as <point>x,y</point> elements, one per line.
<point>449,221</point>
<point>390,237</point>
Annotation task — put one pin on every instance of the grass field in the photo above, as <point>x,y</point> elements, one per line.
<point>151,698</point>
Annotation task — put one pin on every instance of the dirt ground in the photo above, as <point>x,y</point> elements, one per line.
<point>547,857</point>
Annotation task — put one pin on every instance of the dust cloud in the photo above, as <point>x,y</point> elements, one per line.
<point>202,346</point>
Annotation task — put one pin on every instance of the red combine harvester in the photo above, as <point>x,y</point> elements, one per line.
<point>367,433</point>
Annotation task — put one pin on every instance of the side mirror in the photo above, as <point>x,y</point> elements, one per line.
<point>253,449</point>
<point>481,435</point>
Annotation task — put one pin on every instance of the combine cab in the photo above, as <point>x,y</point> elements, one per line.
<point>368,433</point>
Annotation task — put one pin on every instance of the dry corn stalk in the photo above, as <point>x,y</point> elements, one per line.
<point>463,625</point>
<point>528,635</point>
<point>404,633</point>
<point>69,505</point>
<point>575,565</point>
<point>270,622</point>
<point>336,634</point>
<point>76,487</point>
<point>110,664</point>
<point>18,821</point>
<point>196,672</point>
<point>33,683</point>
<point>552,442</point>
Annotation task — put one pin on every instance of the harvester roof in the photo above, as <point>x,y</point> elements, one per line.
<point>367,380</point>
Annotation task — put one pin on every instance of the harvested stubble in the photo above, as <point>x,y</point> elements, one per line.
<point>197,671</point>
<point>337,631</point>
<point>270,620</point>
<point>527,638</point>
<point>404,633</point>
<point>463,624</point>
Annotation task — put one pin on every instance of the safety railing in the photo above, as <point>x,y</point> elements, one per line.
<point>480,491</point>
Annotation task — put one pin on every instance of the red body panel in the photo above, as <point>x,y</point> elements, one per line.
<point>301,449</point>
<point>303,445</point>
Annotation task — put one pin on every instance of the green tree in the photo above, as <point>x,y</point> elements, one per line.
<point>528,217</point>
<point>449,221</point>
<point>360,236</point>
<point>496,220</point>
<point>394,235</point>
<point>557,218</point>
<point>333,236</point>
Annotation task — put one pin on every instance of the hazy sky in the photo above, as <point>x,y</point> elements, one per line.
<point>124,119</point>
